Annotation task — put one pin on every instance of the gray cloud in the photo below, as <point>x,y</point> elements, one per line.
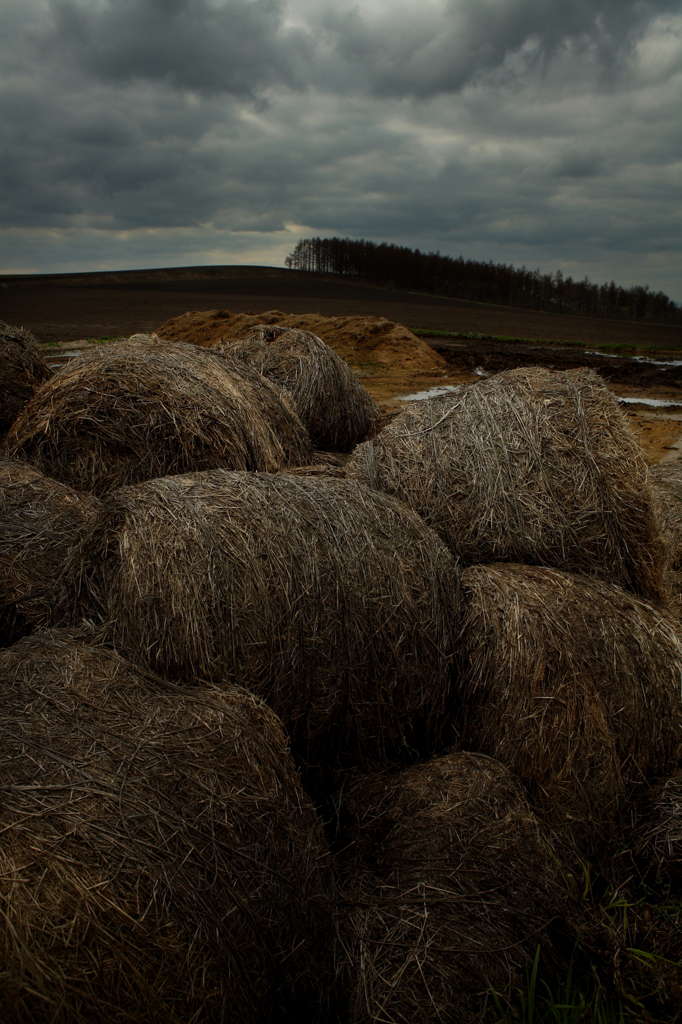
<point>522,130</point>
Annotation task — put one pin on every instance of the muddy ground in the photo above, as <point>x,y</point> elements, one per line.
<point>62,309</point>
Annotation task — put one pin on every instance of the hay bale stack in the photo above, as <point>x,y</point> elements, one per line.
<point>574,685</point>
<point>657,835</point>
<point>450,887</point>
<point>132,411</point>
<point>667,481</point>
<point>334,603</point>
<point>159,859</point>
<point>331,402</point>
<point>528,466</point>
<point>22,370</point>
<point>42,521</point>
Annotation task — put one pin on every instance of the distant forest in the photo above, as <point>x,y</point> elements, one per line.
<point>396,266</point>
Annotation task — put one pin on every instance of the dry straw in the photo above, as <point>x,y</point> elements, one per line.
<point>22,370</point>
<point>332,403</point>
<point>657,836</point>
<point>528,466</point>
<point>332,602</point>
<point>132,411</point>
<point>667,481</point>
<point>41,522</point>
<point>159,862</point>
<point>450,887</point>
<point>574,685</point>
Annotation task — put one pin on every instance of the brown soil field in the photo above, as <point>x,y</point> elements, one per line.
<point>63,309</point>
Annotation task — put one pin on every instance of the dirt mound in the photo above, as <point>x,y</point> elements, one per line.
<point>357,339</point>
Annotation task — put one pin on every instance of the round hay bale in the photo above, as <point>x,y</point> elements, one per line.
<point>574,685</point>
<point>22,370</point>
<point>132,411</point>
<point>528,466</point>
<point>657,833</point>
<point>667,484</point>
<point>42,521</point>
<point>334,603</point>
<point>159,861</point>
<point>330,400</point>
<point>450,886</point>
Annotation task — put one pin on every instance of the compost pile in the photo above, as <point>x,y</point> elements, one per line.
<point>159,858</point>
<point>527,466</point>
<point>334,603</point>
<point>321,737</point>
<point>22,370</point>
<point>330,400</point>
<point>133,411</point>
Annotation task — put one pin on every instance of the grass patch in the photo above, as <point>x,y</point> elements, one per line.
<point>610,979</point>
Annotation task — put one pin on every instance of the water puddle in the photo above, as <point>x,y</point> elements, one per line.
<point>447,389</point>
<point>647,360</point>
<point>654,403</point>
<point>440,389</point>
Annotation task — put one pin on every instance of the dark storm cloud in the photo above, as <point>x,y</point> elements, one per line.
<point>418,55</point>
<point>524,130</point>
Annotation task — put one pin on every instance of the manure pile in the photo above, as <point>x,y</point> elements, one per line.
<point>454,648</point>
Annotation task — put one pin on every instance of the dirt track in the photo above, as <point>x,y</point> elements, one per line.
<point>65,308</point>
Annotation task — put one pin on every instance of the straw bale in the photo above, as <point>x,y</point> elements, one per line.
<point>667,484</point>
<point>528,466</point>
<point>22,370</point>
<point>657,835</point>
<point>159,861</point>
<point>574,685</point>
<point>41,523</point>
<point>330,400</point>
<point>334,603</point>
<point>449,887</point>
<point>132,411</point>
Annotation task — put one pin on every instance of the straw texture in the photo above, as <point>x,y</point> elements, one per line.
<point>331,402</point>
<point>528,466</point>
<point>132,411</point>
<point>41,522</point>
<point>449,887</point>
<point>159,861</point>
<point>574,685</point>
<point>332,602</point>
<point>22,370</point>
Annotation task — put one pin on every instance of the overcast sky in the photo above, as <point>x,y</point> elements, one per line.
<point>145,133</point>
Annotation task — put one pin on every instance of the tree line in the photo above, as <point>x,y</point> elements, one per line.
<point>397,266</point>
